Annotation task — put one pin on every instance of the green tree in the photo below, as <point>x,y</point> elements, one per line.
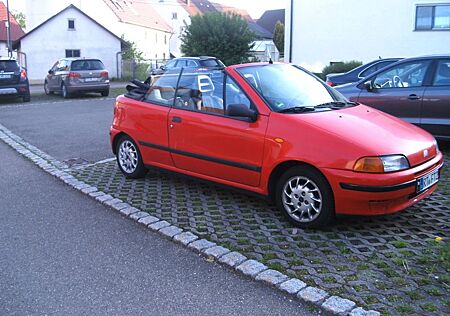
<point>20,18</point>
<point>222,35</point>
<point>131,52</point>
<point>278,36</point>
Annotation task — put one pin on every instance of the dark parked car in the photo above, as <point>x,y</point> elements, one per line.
<point>191,63</point>
<point>13,80</point>
<point>414,89</point>
<point>75,75</point>
<point>359,72</point>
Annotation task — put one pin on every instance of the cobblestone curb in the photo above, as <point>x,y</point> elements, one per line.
<point>252,268</point>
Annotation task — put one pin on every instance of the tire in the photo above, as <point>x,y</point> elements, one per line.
<point>65,94</point>
<point>105,93</point>
<point>129,158</point>
<point>47,89</point>
<point>305,197</point>
<point>26,98</point>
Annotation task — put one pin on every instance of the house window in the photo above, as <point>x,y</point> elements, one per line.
<point>71,24</point>
<point>73,53</point>
<point>433,17</point>
<point>165,39</point>
<point>174,15</point>
<point>156,37</point>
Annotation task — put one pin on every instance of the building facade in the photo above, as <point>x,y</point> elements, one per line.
<point>320,32</point>
<point>136,21</point>
<point>43,50</point>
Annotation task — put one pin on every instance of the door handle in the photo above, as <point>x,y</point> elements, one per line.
<point>176,119</point>
<point>413,97</point>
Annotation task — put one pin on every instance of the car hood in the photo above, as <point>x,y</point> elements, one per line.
<point>365,131</point>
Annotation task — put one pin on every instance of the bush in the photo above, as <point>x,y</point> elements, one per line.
<point>340,67</point>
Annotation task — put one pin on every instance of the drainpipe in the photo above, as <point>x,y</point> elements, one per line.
<point>9,31</point>
<point>292,28</point>
<point>117,64</point>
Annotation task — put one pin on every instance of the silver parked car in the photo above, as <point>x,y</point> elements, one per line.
<point>77,75</point>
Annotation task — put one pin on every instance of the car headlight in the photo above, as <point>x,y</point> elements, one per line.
<point>437,145</point>
<point>381,164</point>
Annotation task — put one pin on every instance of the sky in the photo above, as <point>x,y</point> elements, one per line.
<point>255,7</point>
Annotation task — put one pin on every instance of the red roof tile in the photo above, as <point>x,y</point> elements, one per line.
<point>16,30</point>
<point>138,13</point>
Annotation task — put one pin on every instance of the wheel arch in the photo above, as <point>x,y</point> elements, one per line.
<point>116,139</point>
<point>282,168</point>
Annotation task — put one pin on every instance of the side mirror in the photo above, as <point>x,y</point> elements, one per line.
<point>368,85</point>
<point>162,67</point>
<point>50,72</point>
<point>241,110</point>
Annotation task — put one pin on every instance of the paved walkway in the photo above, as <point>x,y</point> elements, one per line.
<point>64,254</point>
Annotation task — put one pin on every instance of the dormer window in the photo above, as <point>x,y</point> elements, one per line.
<point>71,24</point>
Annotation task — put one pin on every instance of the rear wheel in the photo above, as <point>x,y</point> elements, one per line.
<point>105,93</point>
<point>129,158</point>
<point>305,197</point>
<point>47,89</point>
<point>64,91</point>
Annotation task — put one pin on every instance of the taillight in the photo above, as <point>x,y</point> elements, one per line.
<point>23,74</point>
<point>104,74</point>
<point>330,83</point>
<point>74,75</point>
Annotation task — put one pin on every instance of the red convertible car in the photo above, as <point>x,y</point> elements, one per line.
<point>277,130</point>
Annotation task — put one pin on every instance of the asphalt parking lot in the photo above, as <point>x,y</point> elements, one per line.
<point>392,264</point>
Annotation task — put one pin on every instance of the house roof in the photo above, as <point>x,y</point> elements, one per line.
<point>17,41</point>
<point>139,13</point>
<point>16,30</point>
<point>270,18</point>
<point>260,32</point>
<point>227,9</point>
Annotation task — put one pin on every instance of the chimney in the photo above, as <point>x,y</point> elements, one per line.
<point>188,2</point>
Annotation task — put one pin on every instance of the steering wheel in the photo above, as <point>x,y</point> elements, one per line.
<point>398,82</point>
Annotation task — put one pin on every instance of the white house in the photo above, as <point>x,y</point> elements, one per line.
<point>177,16</point>
<point>69,33</point>
<point>137,21</point>
<point>320,32</point>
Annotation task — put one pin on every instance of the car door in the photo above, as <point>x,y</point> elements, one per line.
<point>148,120</point>
<point>398,90</point>
<point>204,140</point>
<point>436,101</point>
<point>61,73</point>
<point>51,78</point>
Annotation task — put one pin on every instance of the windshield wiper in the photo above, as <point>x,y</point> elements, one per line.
<point>335,104</point>
<point>297,109</point>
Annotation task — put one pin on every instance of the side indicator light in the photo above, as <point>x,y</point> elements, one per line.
<point>279,140</point>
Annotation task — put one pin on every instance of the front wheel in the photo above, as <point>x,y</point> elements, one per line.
<point>305,197</point>
<point>105,93</point>
<point>47,89</point>
<point>129,158</point>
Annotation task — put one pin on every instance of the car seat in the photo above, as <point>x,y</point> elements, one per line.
<point>210,102</point>
<point>443,77</point>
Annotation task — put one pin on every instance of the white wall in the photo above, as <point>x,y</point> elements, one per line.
<point>39,11</point>
<point>48,43</point>
<point>166,10</point>
<point>342,30</point>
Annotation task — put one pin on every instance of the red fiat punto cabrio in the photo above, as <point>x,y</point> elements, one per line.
<point>277,130</point>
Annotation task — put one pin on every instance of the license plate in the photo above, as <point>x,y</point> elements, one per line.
<point>90,79</point>
<point>3,76</point>
<point>427,181</point>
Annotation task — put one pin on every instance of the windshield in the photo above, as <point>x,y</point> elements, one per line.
<point>8,65</point>
<point>284,86</point>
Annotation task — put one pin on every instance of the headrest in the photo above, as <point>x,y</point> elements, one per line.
<point>444,70</point>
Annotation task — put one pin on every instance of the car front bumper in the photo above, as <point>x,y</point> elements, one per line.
<point>377,194</point>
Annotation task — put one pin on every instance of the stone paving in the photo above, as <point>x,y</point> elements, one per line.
<point>392,264</point>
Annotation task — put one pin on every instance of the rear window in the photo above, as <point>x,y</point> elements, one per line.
<point>87,65</point>
<point>8,65</point>
<point>210,63</point>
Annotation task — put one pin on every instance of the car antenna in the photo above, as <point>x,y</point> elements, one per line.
<point>270,61</point>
